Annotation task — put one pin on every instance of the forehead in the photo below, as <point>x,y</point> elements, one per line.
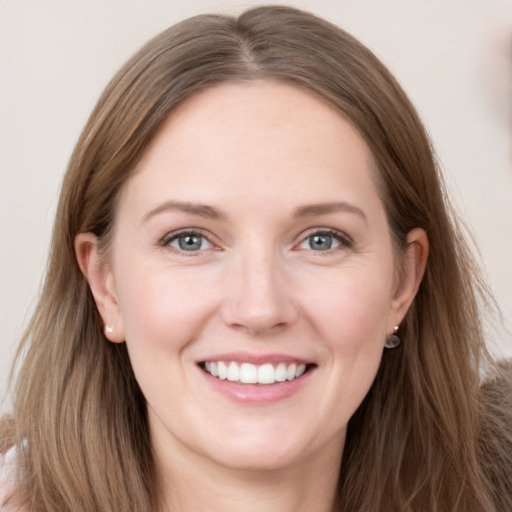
<point>273,138</point>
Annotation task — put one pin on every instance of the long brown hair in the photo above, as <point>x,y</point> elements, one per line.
<point>415,443</point>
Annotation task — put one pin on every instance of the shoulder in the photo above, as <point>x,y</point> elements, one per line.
<point>495,439</point>
<point>7,476</point>
<point>7,468</point>
<point>496,404</point>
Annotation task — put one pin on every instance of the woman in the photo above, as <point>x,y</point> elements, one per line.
<point>257,296</point>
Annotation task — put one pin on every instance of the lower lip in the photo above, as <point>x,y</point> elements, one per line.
<point>262,394</point>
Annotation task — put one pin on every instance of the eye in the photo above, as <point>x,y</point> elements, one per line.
<point>319,242</point>
<point>325,241</point>
<point>188,242</point>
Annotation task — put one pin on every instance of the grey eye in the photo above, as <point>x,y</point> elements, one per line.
<point>190,242</point>
<point>320,242</point>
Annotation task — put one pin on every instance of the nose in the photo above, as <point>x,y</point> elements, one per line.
<point>258,297</point>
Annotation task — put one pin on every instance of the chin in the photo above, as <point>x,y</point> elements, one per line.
<point>264,460</point>
<point>259,452</point>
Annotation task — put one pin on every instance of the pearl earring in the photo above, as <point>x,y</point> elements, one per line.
<point>392,341</point>
<point>109,328</point>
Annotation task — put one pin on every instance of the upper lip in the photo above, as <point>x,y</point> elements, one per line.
<point>256,359</point>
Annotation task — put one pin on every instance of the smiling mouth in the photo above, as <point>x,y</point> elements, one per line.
<point>248,373</point>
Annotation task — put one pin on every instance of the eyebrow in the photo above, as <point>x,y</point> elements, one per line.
<point>201,210</point>
<point>312,210</point>
<point>209,212</point>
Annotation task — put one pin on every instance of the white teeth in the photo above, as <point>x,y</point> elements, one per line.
<point>233,372</point>
<point>248,373</point>
<point>266,374</point>
<point>290,371</point>
<point>281,372</point>
<point>223,370</point>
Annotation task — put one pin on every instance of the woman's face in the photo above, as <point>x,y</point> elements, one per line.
<point>252,276</point>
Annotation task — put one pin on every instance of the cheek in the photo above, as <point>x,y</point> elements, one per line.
<point>349,317</point>
<point>162,307</point>
<point>351,309</point>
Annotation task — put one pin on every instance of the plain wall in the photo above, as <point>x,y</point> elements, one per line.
<point>56,57</point>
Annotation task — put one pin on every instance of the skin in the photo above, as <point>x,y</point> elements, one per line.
<point>260,154</point>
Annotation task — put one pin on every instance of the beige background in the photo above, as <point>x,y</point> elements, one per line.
<point>454,58</point>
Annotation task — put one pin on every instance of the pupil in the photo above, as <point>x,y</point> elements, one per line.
<point>190,242</point>
<point>321,242</point>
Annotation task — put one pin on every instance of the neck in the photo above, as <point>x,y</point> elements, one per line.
<point>192,483</point>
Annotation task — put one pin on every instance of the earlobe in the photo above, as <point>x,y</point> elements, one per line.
<point>96,271</point>
<point>415,261</point>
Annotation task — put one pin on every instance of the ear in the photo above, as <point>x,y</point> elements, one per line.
<point>415,261</point>
<point>97,272</point>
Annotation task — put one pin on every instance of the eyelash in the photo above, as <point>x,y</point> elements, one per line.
<point>345,242</point>
<point>175,235</point>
